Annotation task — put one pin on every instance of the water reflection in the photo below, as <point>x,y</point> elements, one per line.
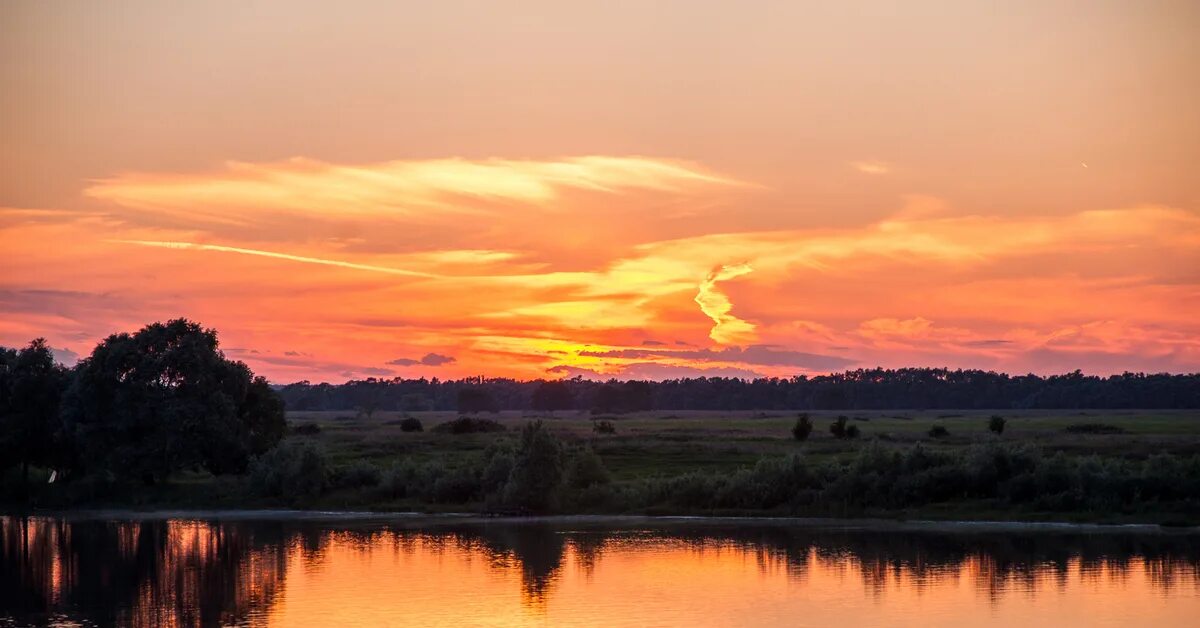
<point>190,573</point>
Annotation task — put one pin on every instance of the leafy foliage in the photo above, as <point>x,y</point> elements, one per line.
<point>803,427</point>
<point>863,389</point>
<point>551,396</point>
<point>604,427</point>
<point>468,425</point>
<point>357,474</point>
<point>31,432</point>
<point>537,472</point>
<point>293,470</point>
<point>148,404</point>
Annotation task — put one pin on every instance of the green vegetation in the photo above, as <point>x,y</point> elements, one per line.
<point>604,427</point>
<point>714,463</point>
<point>803,427</point>
<point>411,424</point>
<point>468,425</point>
<point>161,418</point>
<point>1094,428</point>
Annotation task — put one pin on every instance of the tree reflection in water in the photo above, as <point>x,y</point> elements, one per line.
<point>189,573</point>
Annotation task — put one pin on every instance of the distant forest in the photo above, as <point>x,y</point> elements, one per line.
<point>875,389</point>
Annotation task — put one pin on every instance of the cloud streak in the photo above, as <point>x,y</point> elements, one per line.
<point>192,246</point>
<point>727,328</point>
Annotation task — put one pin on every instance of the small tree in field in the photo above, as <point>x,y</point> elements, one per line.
<point>537,472</point>
<point>803,427</point>
<point>996,424</point>
<point>838,427</point>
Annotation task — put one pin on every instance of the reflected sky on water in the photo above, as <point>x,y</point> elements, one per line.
<point>156,572</point>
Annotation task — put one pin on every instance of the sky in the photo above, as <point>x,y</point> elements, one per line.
<point>616,189</point>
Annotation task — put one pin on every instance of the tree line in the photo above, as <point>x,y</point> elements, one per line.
<point>863,389</point>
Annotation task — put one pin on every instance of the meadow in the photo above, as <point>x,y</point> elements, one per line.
<point>1090,465</point>
<point>670,443</point>
<point>1096,466</point>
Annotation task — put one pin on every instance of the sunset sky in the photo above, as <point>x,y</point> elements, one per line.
<point>609,189</point>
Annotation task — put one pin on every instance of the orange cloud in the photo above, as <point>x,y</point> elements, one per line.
<point>727,328</point>
<point>528,268</point>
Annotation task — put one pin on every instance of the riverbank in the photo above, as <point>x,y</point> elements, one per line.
<point>608,522</point>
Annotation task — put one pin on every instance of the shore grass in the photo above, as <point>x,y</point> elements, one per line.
<point>665,445</point>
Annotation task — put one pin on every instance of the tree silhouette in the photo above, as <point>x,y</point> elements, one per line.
<point>31,433</point>
<point>147,404</point>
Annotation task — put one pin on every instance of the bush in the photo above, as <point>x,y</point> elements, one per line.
<point>496,469</point>
<point>455,485</point>
<point>358,474</point>
<point>293,469</point>
<point>604,427</point>
<point>411,424</point>
<point>307,429</point>
<point>586,470</point>
<point>938,431</point>
<point>435,482</point>
<point>1094,428</point>
<point>838,427</point>
<point>537,472</point>
<point>852,431</point>
<point>996,424</point>
<point>468,425</point>
<point>803,427</point>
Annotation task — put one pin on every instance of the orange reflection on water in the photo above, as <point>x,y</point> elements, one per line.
<point>294,573</point>
<point>652,581</point>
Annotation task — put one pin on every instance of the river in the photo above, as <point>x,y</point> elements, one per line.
<point>250,569</point>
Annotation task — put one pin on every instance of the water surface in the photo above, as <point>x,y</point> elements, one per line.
<point>281,571</point>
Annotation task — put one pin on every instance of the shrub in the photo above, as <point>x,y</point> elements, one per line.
<point>852,431</point>
<point>404,480</point>
<point>291,470</point>
<point>411,424</point>
<point>1094,428</point>
<point>435,482</point>
<point>996,424</point>
<point>307,429</point>
<point>803,427</point>
<point>357,475</point>
<point>468,425</point>
<point>586,470</point>
<point>604,427</point>
<point>496,469</point>
<point>537,472</point>
<point>938,431</point>
<point>455,485</point>
<point>838,427</point>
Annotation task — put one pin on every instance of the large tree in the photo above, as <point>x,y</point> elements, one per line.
<point>31,384</point>
<point>148,404</point>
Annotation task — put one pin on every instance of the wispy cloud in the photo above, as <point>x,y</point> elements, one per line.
<point>727,328</point>
<point>192,246</point>
<point>872,167</point>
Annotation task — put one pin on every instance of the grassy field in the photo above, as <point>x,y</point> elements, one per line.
<point>676,462</point>
<point>671,443</point>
